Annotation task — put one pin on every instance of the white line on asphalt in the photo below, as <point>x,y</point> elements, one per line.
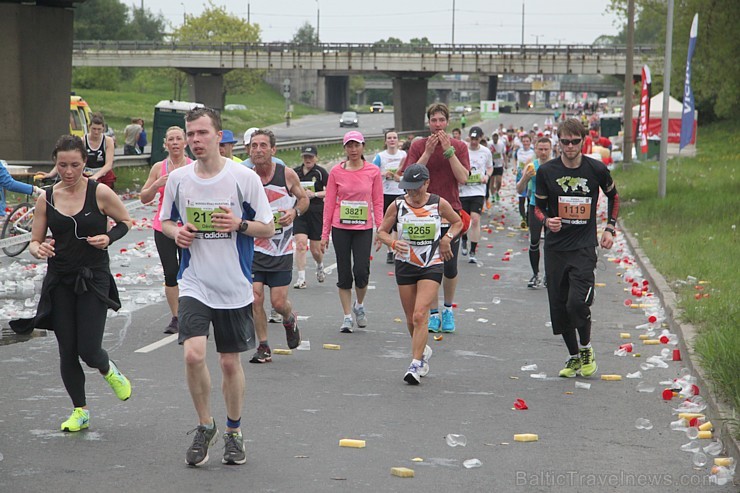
<point>156,345</point>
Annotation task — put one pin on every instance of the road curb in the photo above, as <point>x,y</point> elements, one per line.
<point>687,334</point>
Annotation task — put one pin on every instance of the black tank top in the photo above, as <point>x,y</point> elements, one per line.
<point>95,157</point>
<point>71,252</point>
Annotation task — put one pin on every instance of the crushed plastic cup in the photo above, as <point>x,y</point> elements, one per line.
<point>646,366</point>
<point>496,301</point>
<point>627,347</point>
<point>645,387</point>
<point>714,448</point>
<point>721,476</point>
<point>471,463</point>
<point>582,385</point>
<point>520,405</point>
<point>692,446</point>
<point>692,432</point>
<point>679,425</point>
<point>637,374</point>
<point>539,376</point>
<point>699,459</point>
<point>620,352</point>
<point>657,361</point>
<point>456,440</point>
<point>667,394</point>
<point>643,424</point>
<point>532,367</point>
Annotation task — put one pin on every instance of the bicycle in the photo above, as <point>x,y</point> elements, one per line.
<point>17,223</point>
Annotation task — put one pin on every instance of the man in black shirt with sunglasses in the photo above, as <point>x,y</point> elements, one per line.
<point>567,192</point>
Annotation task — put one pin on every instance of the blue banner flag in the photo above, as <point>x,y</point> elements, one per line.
<point>687,117</point>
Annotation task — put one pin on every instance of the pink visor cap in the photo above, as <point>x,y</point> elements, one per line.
<point>353,135</point>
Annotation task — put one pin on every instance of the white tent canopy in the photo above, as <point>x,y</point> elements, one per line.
<point>675,107</point>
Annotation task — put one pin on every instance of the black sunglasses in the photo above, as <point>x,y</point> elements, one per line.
<point>566,142</point>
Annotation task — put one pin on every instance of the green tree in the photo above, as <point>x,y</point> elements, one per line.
<point>145,25</point>
<point>712,76</point>
<point>215,24</point>
<point>305,35</point>
<point>100,19</point>
<point>104,78</point>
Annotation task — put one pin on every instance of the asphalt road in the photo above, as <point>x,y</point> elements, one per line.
<point>300,406</point>
<point>327,125</point>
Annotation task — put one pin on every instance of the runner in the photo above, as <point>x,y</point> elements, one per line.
<point>169,253</point>
<point>567,192</point>
<point>307,227</point>
<point>389,160</point>
<point>448,165</point>
<point>472,193</point>
<point>78,288</point>
<point>273,257</point>
<point>223,206</point>
<point>543,150</point>
<point>524,156</point>
<point>226,146</point>
<point>353,205</point>
<point>420,255</point>
<point>498,151</point>
<point>247,137</point>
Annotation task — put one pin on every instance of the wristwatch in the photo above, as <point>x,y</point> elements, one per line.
<point>449,235</point>
<point>243,226</point>
<point>297,212</point>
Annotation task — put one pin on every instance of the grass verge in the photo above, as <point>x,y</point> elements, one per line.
<point>693,232</point>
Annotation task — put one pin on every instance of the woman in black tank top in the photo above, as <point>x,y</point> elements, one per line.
<point>78,288</point>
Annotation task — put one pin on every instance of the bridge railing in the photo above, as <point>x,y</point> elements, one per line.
<point>328,48</point>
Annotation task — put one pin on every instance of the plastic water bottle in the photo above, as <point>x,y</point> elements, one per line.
<point>692,432</point>
<point>637,374</point>
<point>582,385</point>
<point>456,440</point>
<point>679,425</point>
<point>714,448</point>
<point>692,446</point>
<point>471,463</point>
<point>645,387</point>
<point>539,376</point>
<point>529,367</point>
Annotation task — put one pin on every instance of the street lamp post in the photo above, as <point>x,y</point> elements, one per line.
<point>318,19</point>
<point>184,13</point>
<point>453,23</point>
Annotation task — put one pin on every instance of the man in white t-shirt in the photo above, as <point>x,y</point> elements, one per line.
<point>524,156</point>
<point>473,192</point>
<point>500,158</point>
<point>213,209</point>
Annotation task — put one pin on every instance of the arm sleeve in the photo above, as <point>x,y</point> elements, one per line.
<point>329,204</point>
<point>540,197</point>
<point>7,181</point>
<point>612,203</point>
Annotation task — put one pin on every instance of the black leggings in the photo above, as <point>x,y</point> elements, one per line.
<point>535,231</point>
<point>352,244</point>
<point>523,208</point>
<point>169,256</point>
<point>79,323</point>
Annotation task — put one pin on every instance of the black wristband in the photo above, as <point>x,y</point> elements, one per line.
<point>117,232</point>
<point>611,231</point>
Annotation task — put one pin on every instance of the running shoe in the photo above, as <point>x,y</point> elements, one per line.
<point>234,448</point>
<point>435,323</point>
<point>464,247</point>
<point>173,327</point>
<point>472,259</point>
<point>320,274</point>
<point>523,224</point>
<point>262,355</point>
<point>390,258</point>
<point>572,368</point>
<point>292,334</point>
<point>498,198</point>
<point>360,316</point>
<point>448,320</point>
<point>425,362</point>
<point>275,317</point>
<point>412,376</point>
<point>347,326</point>
<point>588,362</point>
<point>197,454</point>
<point>534,281</point>
<point>118,382</point>
<point>78,420</point>
<point>300,284</point>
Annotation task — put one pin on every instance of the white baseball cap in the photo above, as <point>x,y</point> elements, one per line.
<point>248,135</point>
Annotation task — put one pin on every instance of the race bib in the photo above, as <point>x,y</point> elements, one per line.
<point>473,179</point>
<point>199,212</point>
<point>309,185</point>
<point>419,231</point>
<point>496,155</point>
<point>353,212</point>
<point>576,210</point>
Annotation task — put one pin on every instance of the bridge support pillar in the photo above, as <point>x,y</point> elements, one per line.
<point>207,88</point>
<point>488,88</point>
<point>443,95</point>
<point>336,89</point>
<point>409,100</point>
<point>523,99</point>
<point>35,78</point>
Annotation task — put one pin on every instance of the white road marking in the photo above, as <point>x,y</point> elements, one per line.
<point>156,345</point>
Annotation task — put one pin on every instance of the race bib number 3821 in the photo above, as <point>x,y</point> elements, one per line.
<point>353,212</point>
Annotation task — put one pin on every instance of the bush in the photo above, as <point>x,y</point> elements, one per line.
<point>102,78</point>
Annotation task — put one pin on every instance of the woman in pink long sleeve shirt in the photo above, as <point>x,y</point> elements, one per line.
<point>353,208</point>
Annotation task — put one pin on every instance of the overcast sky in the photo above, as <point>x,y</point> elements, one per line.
<point>545,21</point>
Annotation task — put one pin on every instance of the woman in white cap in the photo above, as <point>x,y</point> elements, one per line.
<point>420,252</point>
<point>353,207</point>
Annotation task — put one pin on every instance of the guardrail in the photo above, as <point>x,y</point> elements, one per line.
<point>143,159</point>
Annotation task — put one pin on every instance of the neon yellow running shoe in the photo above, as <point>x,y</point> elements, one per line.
<point>588,362</point>
<point>572,368</point>
<point>79,420</point>
<point>118,382</point>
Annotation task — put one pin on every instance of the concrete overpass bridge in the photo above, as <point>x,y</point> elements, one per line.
<point>410,67</point>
